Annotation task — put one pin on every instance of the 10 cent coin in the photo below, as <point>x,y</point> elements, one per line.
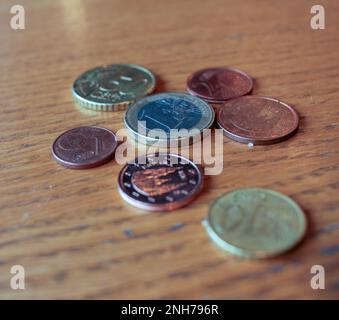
<point>255,223</point>
<point>160,182</point>
<point>113,87</point>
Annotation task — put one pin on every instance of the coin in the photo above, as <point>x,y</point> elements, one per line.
<point>84,147</point>
<point>169,116</point>
<point>217,85</point>
<point>257,120</point>
<point>160,182</point>
<point>113,87</point>
<point>257,223</point>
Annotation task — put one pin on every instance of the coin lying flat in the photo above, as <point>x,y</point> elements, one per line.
<point>217,85</point>
<point>169,114</point>
<point>84,147</point>
<point>257,120</point>
<point>255,223</point>
<point>113,87</point>
<point>160,182</point>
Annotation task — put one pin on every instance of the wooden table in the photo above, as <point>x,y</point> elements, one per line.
<point>71,231</point>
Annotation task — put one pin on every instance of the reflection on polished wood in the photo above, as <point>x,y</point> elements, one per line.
<point>71,230</point>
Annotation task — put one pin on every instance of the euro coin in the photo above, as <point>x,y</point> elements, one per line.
<point>256,223</point>
<point>113,87</point>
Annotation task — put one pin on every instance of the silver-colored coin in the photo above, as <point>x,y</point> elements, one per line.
<point>113,87</point>
<point>168,117</point>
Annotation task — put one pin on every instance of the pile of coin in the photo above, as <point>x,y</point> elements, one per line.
<point>249,222</point>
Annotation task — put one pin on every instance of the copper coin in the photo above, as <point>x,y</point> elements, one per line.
<point>217,85</point>
<point>84,147</point>
<point>257,120</point>
<point>160,182</point>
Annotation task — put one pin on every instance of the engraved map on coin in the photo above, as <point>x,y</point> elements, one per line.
<point>256,222</point>
<point>219,84</point>
<point>113,86</point>
<point>160,182</point>
<point>168,113</point>
<point>257,119</point>
<point>84,147</point>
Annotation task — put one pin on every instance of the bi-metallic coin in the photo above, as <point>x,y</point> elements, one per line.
<point>160,182</point>
<point>177,116</point>
<point>84,147</point>
<point>257,223</point>
<point>257,120</point>
<point>113,87</point>
<point>217,85</point>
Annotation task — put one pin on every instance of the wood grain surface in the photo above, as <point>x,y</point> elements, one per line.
<point>75,236</point>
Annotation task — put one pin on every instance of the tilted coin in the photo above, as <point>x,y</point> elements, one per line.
<point>257,120</point>
<point>113,87</point>
<point>255,222</point>
<point>217,85</point>
<point>166,117</point>
<point>160,182</point>
<point>84,147</point>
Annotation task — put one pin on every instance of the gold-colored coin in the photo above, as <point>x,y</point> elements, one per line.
<point>114,87</point>
<point>255,222</point>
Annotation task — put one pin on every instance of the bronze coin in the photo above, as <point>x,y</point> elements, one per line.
<point>160,182</point>
<point>84,147</point>
<point>257,120</point>
<point>216,85</point>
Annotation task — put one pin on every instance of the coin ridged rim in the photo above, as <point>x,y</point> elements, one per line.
<point>258,141</point>
<point>149,140</point>
<point>89,165</point>
<point>107,106</point>
<point>160,207</point>
<point>259,254</point>
<point>211,99</point>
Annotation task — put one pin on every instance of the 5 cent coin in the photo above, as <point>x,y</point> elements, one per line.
<point>257,120</point>
<point>113,87</point>
<point>160,182</point>
<point>217,85</point>
<point>255,223</point>
<point>84,147</point>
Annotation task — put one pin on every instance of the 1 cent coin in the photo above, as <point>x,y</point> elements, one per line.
<point>217,85</point>
<point>160,182</point>
<point>257,223</point>
<point>84,147</point>
<point>257,120</point>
